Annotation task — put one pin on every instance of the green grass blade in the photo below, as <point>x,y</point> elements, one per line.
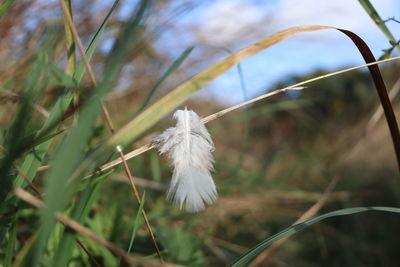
<point>371,11</point>
<point>58,190</point>
<point>5,7</point>
<point>63,102</point>
<point>71,51</point>
<point>138,220</point>
<point>175,65</point>
<point>246,258</point>
<point>17,132</point>
<point>59,187</point>
<point>93,43</point>
<point>32,162</point>
<point>10,246</point>
<point>239,69</point>
<point>80,211</point>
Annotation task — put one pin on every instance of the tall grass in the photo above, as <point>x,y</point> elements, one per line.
<point>58,206</point>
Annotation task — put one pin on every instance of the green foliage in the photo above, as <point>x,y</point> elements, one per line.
<point>100,224</point>
<point>5,6</point>
<point>59,189</point>
<point>267,174</point>
<point>15,139</point>
<point>11,245</point>
<point>181,247</point>
<point>246,258</point>
<point>137,223</point>
<point>371,11</point>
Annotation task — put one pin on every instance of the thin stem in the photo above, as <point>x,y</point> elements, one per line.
<point>75,35</point>
<point>71,55</point>
<point>77,227</point>
<point>107,117</point>
<point>138,199</point>
<point>71,51</point>
<point>93,259</point>
<point>214,116</point>
<point>27,180</point>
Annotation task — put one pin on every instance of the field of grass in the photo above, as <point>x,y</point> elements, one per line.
<point>307,174</point>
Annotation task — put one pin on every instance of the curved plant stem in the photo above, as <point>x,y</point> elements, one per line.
<point>138,199</point>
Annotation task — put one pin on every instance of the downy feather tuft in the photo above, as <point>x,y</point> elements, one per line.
<point>189,147</point>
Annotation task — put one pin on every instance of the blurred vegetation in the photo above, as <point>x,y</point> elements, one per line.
<point>274,158</point>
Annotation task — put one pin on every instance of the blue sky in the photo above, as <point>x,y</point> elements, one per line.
<point>235,24</point>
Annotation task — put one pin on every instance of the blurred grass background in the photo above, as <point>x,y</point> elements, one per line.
<point>274,158</point>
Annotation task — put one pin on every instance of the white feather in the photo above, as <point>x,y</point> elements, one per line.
<point>189,146</point>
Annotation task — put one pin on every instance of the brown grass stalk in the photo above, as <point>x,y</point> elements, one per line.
<point>82,246</point>
<point>77,227</point>
<point>27,180</point>
<point>78,42</point>
<point>136,194</point>
<point>107,118</point>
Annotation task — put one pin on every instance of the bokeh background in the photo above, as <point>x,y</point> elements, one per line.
<point>274,158</point>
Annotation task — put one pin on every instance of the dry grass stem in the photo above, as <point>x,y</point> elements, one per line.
<point>78,42</point>
<point>205,120</point>
<point>214,116</point>
<point>27,180</point>
<point>127,156</point>
<point>235,107</point>
<point>138,199</point>
<point>107,118</point>
<point>82,246</point>
<point>72,224</point>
